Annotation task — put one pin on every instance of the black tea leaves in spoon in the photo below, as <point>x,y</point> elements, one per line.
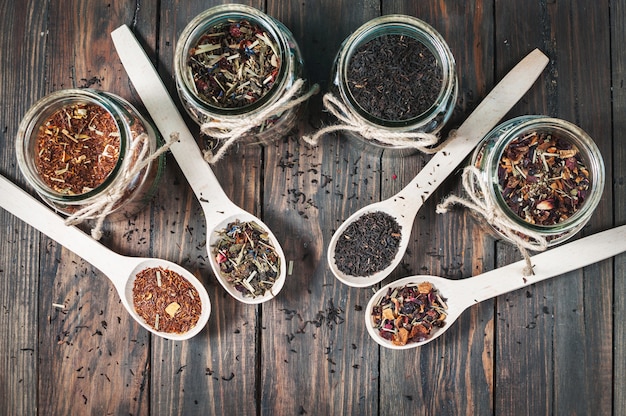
<point>368,245</point>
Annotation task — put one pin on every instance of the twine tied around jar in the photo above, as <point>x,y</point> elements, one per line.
<point>105,204</point>
<point>523,238</point>
<point>351,121</point>
<point>231,131</point>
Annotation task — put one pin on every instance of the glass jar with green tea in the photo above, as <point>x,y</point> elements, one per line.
<point>234,64</point>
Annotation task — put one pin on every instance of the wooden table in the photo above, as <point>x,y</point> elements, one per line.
<point>557,347</point>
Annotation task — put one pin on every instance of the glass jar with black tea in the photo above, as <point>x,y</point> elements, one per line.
<point>396,73</point>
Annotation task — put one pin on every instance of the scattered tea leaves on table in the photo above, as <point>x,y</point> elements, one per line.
<point>368,245</point>
<point>409,313</point>
<point>246,258</point>
<point>166,300</point>
<point>543,178</point>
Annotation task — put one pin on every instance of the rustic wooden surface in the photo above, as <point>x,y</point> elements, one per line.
<point>554,348</point>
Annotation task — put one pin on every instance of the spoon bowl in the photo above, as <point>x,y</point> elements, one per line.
<point>121,270</point>
<point>404,221</point>
<point>405,204</point>
<point>461,294</point>
<point>217,207</point>
<point>213,240</point>
<point>148,263</point>
<point>447,288</point>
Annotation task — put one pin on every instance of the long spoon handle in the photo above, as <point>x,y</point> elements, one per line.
<point>551,263</point>
<point>30,210</point>
<point>167,118</point>
<point>490,110</point>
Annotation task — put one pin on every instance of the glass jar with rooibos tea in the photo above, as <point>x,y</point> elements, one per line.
<point>544,174</point>
<point>396,73</point>
<point>232,63</point>
<point>81,147</point>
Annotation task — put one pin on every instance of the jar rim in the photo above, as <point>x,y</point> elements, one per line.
<point>210,18</point>
<point>566,130</point>
<point>39,113</point>
<point>398,24</point>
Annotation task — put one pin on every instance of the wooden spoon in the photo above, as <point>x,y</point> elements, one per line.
<point>121,270</point>
<point>404,205</point>
<point>218,209</point>
<point>461,294</point>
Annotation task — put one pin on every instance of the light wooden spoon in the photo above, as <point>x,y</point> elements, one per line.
<point>461,294</point>
<point>218,209</point>
<point>121,270</point>
<point>404,205</point>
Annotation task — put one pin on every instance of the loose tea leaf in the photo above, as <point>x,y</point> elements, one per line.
<point>543,178</point>
<point>166,300</point>
<point>368,245</point>
<point>394,77</point>
<point>77,148</point>
<point>410,313</point>
<point>234,64</point>
<point>247,258</point>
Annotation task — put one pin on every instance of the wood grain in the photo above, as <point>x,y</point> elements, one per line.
<point>618,76</point>
<point>554,348</point>
<point>92,350</point>
<point>558,314</point>
<point>217,371</point>
<point>20,246</point>
<point>313,332</point>
<point>449,245</point>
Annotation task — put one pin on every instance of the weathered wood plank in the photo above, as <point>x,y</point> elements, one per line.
<point>618,59</point>
<point>91,352</point>
<point>450,245</point>
<point>552,348</point>
<point>19,277</point>
<point>22,51</point>
<point>316,355</point>
<point>215,372</point>
<point>552,325</point>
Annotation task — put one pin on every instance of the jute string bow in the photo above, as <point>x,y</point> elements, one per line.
<point>485,207</point>
<point>352,121</point>
<point>102,206</point>
<point>232,130</point>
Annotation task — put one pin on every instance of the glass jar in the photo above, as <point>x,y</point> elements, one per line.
<point>283,47</point>
<point>545,175</point>
<point>78,146</point>
<point>435,112</point>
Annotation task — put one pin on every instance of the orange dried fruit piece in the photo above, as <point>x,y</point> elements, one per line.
<point>401,337</point>
<point>418,329</point>
<point>545,205</point>
<point>172,308</point>
<point>388,314</point>
<point>565,154</point>
<point>425,287</point>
